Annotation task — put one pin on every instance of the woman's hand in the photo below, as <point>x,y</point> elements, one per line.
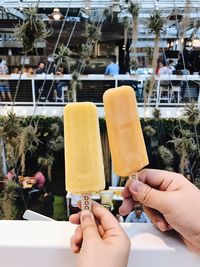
<point>170,201</point>
<point>99,239</point>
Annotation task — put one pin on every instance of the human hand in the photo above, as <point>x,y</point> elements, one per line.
<point>170,201</point>
<point>99,239</point>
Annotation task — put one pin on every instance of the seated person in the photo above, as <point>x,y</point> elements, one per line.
<point>112,68</point>
<point>59,84</point>
<point>137,216</point>
<point>4,85</point>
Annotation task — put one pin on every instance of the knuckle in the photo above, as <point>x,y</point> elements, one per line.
<point>147,195</point>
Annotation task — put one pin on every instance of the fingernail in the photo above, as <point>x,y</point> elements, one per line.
<point>85,214</point>
<point>135,186</point>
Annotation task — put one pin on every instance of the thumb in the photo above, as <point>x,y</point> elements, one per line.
<point>88,225</point>
<point>147,195</point>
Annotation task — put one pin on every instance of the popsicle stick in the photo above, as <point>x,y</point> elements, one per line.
<point>86,202</point>
<point>134,176</point>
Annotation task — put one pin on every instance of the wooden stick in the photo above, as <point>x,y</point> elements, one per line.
<point>134,176</point>
<point>86,202</point>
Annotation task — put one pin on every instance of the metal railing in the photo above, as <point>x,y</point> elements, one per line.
<point>94,85</point>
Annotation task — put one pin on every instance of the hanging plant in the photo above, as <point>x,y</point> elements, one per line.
<point>8,197</point>
<point>47,163</point>
<point>192,113</point>
<point>63,57</point>
<point>28,141</point>
<point>134,63</point>
<point>86,50</point>
<point>155,25</point>
<point>32,30</point>
<point>10,130</point>
<point>54,144</point>
<point>126,27</point>
<point>148,88</point>
<point>74,85</point>
<point>149,131</point>
<point>192,116</point>
<point>156,113</point>
<point>185,146</point>
<point>11,126</point>
<point>149,55</point>
<point>133,9</point>
<point>92,32</point>
<point>166,155</point>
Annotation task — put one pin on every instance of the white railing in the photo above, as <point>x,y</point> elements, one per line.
<point>26,103</point>
<point>117,79</point>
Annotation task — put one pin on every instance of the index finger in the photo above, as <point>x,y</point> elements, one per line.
<point>105,218</point>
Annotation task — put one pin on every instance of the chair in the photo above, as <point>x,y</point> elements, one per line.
<point>176,90</point>
<point>64,94</point>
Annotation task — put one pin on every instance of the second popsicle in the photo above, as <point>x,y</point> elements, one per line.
<point>125,135</point>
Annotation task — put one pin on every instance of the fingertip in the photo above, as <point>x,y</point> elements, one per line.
<point>162,226</point>
<point>75,218</point>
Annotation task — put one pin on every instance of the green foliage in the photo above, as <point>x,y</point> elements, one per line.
<point>156,113</point>
<point>134,8</point>
<point>8,196</point>
<point>54,144</point>
<point>184,142</point>
<point>149,54</point>
<point>134,63</point>
<point>32,29</point>
<point>63,57</point>
<point>149,131</point>
<point>126,23</point>
<point>192,113</point>
<point>166,155</point>
<point>74,85</point>
<point>155,22</point>
<point>92,32</point>
<point>28,141</point>
<point>148,87</point>
<point>11,126</point>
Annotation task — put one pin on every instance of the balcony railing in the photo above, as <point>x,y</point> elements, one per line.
<point>93,87</point>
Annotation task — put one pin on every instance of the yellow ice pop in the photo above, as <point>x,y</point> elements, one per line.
<point>125,136</point>
<point>84,168</point>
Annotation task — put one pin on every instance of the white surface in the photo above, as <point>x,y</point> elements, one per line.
<point>34,216</point>
<point>46,244</point>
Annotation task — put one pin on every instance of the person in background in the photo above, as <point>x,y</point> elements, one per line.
<point>10,175</point>
<point>184,84</point>
<point>4,85</point>
<point>167,199</point>
<point>39,83</point>
<point>112,68</point>
<point>59,84</point>
<point>40,68</point>
<point>166,69</point>
<point>159,66</point>
<point>137,216</point>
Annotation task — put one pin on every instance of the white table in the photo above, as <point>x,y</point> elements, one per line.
<point>47,244</point>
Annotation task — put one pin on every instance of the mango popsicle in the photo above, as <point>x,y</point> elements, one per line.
<point>125,136</point>
<point>84,170</point>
